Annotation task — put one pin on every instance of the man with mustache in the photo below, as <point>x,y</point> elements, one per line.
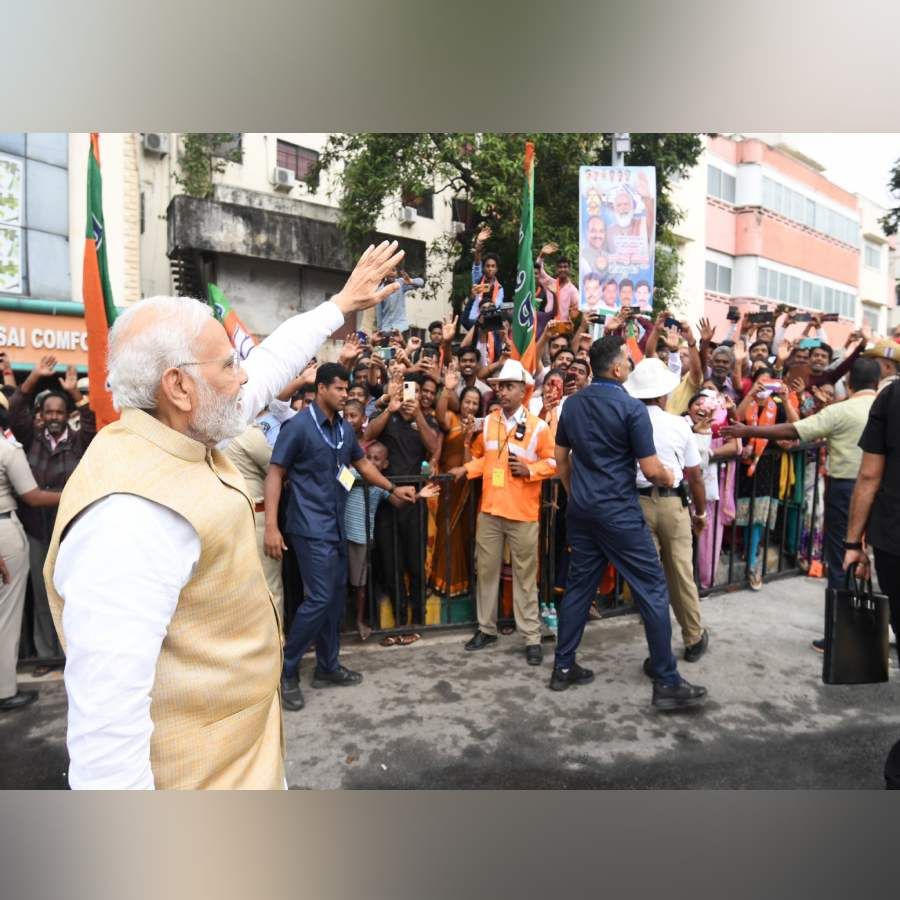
<point>53,451</point>
<point>173,644</point>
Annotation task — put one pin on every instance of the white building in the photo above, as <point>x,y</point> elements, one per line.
<point>272,245</point>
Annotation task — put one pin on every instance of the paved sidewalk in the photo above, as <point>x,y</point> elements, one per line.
<point>433,716</point>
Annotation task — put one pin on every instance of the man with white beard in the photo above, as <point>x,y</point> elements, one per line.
<point>173,649</point>
<point>627,236</point>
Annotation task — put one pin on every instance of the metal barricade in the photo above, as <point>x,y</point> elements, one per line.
<point>787,488</point>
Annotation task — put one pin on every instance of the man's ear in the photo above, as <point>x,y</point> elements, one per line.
<point>173,388</point>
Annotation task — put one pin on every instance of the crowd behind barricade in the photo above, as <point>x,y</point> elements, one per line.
<point>452,442</point>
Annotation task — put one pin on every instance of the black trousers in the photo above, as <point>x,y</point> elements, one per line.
<point>400,550</point>
<point>887,567</point>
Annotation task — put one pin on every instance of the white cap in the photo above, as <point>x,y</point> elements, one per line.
<point>512,370</point>
<point>650,379</point>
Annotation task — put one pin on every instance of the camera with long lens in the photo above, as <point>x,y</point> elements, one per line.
<point>493,317</point>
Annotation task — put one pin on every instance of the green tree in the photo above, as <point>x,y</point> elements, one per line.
<point>891,222</point>
<point>202,156</point>
<point>486,170</point>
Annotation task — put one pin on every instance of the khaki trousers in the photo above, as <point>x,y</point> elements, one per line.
<point>670,525</point>
<point>14,550</point>
<point>271,567</point>
<point>522,539</point>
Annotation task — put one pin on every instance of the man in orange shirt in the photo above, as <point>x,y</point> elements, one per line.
<point>512,455</point>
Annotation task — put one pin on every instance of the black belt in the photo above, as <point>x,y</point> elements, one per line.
<point>661,492</point>
<point>6,515</point>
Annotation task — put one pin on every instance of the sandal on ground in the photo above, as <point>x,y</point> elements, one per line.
<point>406,639</point>
<point>391,640</point>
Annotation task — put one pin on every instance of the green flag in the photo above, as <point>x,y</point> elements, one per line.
<point>523,330</point>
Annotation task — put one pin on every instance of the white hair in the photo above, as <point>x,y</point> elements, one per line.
<point>153,335</point>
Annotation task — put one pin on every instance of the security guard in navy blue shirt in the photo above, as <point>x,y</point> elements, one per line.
<point>314,451</point>
<point>603,432</point>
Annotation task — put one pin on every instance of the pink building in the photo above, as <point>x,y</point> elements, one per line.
<point>778,231</point>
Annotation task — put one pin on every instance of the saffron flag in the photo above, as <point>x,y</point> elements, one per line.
<point>240,338</point>
<point>99,309</point>
<point>523,331</point>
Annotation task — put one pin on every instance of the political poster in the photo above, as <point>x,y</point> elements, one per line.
<point>617,228</point>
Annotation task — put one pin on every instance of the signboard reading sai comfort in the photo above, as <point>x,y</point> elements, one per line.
<point>26,337</point>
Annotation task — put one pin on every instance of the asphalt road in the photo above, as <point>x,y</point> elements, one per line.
<point>433,716</point>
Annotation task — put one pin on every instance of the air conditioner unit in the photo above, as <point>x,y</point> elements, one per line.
<point>408,215</point>
<point>457,227</point>
<point>156,142</point>
<point>283,179</point>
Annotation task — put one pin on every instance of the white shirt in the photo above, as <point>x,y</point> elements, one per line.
<point>121,569</point>
<point>675,444</point>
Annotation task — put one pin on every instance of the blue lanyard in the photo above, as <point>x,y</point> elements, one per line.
<point>336,447</point>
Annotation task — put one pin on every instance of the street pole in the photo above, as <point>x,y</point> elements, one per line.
<point>621,144</point>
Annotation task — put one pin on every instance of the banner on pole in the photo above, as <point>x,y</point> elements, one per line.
<point>617,237</point>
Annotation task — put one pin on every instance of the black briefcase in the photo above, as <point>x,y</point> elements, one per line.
<point>856,634</point>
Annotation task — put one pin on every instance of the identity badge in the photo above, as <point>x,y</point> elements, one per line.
<point>345,477</point>
<point>498,477</point>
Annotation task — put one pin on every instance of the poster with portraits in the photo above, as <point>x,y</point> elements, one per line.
<point>617,228</point>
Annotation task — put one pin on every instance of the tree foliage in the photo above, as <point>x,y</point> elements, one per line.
<point>891,222</point>
<point>202,156</point>
<point>485,169</point>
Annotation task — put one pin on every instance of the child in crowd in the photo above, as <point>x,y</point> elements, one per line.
<point>355,417</point>
<point>359,529</point>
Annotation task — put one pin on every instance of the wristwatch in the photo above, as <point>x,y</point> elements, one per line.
<point>853,545</point>
<point>393,488</point>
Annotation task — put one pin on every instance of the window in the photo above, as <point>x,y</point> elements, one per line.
<point>718,278</point>
<point>230,149</point>
<point>298,159</point>
<point>795,206</point>
<point>463,212</point>
<point>421,201</point>
<point>797,291</point>
<point>870,317</point>
<point>872,254</point>
<point>720,184</point>
<point>34,214</point>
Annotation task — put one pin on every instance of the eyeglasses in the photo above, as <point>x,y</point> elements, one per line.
<point>232,362</point>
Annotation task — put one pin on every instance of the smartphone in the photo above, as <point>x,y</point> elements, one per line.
<point>798,370</point>
<point>479,423</point>
<point>363,337</point>
<point>386,352</point>
<point>734,314</point>
<point>829,317</point>
<point>775,387</point>
<point>635,310</point>
<point>761,318</point>
<point>431,352</point>
<point>409,390</point>
<point>671,323</point>
<point>803,317</point>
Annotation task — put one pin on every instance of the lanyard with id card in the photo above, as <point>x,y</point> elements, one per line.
<point>498,473</point>
<point>344,475</point>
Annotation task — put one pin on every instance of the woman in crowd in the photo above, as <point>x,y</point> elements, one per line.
<point>706,412</point>
<point>811,478</point>
<point>766,403</point>
<point>453,511</point>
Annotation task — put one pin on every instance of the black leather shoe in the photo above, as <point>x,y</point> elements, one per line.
<point>819,645</point>
<point>291,695</point>
<point>534,654</point>
<point>563,679</point>
<point>340,677</point>
<point>678,696</point>
<point>480,640</point>
<point>695,651</point>
<point>18,700</point>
